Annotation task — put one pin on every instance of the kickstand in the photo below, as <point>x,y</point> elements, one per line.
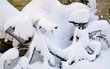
<point>32,55</point>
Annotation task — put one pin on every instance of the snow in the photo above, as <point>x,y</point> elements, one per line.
<point>5,13</point>
<point>86,42</point>
<point>0,54</point>
<point>77,52</point>
<point>46,24</point>
<point>22,63</point>
<point>58,14</point>
<point>48,12</point>
<point>54,18</point>
<point>26,31</point>
<point>102,63</point>
<point>93,8</point>
<point>102,25</point>
<point>94,17</point>
<point>40,42</point>
<point>9,54</point>
<point>39,65</point>
<point>92,4</point>
<point>80,16</point>
<point>18,22</point>
<point>55,14</point>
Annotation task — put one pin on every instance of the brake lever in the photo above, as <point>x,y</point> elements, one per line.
<point>10,31</point>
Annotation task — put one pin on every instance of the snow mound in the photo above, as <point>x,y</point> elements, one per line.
<point>102,62</point>
<point>80,15</point>
<point>10,54</point>
<point>18,23</point>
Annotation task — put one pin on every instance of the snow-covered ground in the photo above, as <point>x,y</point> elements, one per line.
<point>103,62</point>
